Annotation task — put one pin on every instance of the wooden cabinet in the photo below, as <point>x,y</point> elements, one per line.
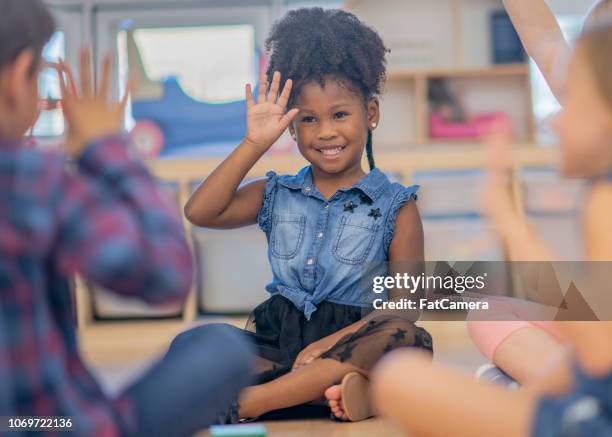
<point>449,40</point>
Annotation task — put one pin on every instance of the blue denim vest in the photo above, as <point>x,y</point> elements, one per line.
<point>318,249</point>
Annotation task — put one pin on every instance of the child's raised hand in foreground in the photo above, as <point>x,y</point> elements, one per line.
<point>90,113</point>
<point>266,119</point>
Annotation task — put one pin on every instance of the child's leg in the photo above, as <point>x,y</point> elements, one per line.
<point>523,350</point>
<point>263,365</point>
<point>528,354</point>
<point>301,386</point>
<point>199,377</point>
<point>431,400</point>
<point>363,347</point>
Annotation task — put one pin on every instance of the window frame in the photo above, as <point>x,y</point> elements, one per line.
<point>110,20</point>
<point>69,20</point>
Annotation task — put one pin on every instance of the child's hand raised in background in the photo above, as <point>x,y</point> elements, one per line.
<point>266,119</point>
<point>513,229</point>
<point>497,199</point>
<point>90,113</point>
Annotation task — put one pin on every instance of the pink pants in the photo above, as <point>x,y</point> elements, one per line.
<point>488,335</point>
<point>506,316</point>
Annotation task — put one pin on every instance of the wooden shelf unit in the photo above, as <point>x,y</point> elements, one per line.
<point>455,47</point>
<point>406,99</point>
<point>483,71</point>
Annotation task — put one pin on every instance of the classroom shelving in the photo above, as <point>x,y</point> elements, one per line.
<point>138,337</point>
<point>450,40</point>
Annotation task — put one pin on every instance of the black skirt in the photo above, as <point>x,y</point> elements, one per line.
<point>279,331</point>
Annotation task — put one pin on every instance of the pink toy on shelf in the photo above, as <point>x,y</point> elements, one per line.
<point>473,128</point>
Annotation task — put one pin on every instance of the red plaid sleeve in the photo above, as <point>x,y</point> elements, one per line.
<point>117,230</point>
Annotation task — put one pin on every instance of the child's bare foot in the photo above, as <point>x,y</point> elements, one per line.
<point>334,397</point>
<point>350,400</point>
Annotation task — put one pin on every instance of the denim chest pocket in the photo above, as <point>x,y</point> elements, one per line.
<point>287,235</point>
<point>354,241</point>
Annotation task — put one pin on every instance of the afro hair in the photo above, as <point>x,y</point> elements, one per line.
<point>312,44</point>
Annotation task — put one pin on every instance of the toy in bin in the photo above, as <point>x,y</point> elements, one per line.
<point>473,128</point>
<point>243,430</point>
<point>449,120</point>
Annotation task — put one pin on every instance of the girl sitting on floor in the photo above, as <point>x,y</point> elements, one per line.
<point>328,226</point>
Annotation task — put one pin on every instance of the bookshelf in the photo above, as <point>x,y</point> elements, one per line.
<point>449,40</point>
<point>405,107</point>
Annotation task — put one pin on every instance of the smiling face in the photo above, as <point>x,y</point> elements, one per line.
<point>332,126</point>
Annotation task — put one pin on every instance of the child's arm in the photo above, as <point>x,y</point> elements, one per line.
<point>514,231</point>
<point>521,240</point>
<point>542,37</point>
<point>589,342</point>
<point>113,226</point>
<point>597,225</point>
<point>587,338</point>
<point>117,230</point>
<point>217,203</point>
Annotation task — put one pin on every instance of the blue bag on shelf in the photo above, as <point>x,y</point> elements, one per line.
<point>505,42</point>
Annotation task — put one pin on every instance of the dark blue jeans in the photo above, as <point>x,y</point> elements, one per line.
<point>200,376</point>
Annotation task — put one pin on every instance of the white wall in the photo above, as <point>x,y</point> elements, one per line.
<point>570,7</point>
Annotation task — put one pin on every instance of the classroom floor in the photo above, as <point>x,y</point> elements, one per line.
<point>327,428</point>
<point>117,362</point>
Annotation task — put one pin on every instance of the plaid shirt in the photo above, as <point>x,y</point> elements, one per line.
<point>104,220</point>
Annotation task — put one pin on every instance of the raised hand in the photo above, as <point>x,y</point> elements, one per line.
<point>89,112</point>
<point>514,230</point>
<point>266,119</point>
<point>497,199</point>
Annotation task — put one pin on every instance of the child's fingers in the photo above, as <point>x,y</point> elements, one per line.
<point>66,78</point>
<point>263,84</point>
<point>249,96</point>
<point>62,83</point>
<point>498,139</point>
<point>66,94</point>
<point>498,154</point>
<point>70,75</point>
<point>126,94</point>
<point>85,72</point>
<point>284,97</point>
<point>105,78</point>
<point>298,362</point>
<point>301,360</point>
<point>273,94</point>
<point>286,120</point>
<point>499,133</point>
